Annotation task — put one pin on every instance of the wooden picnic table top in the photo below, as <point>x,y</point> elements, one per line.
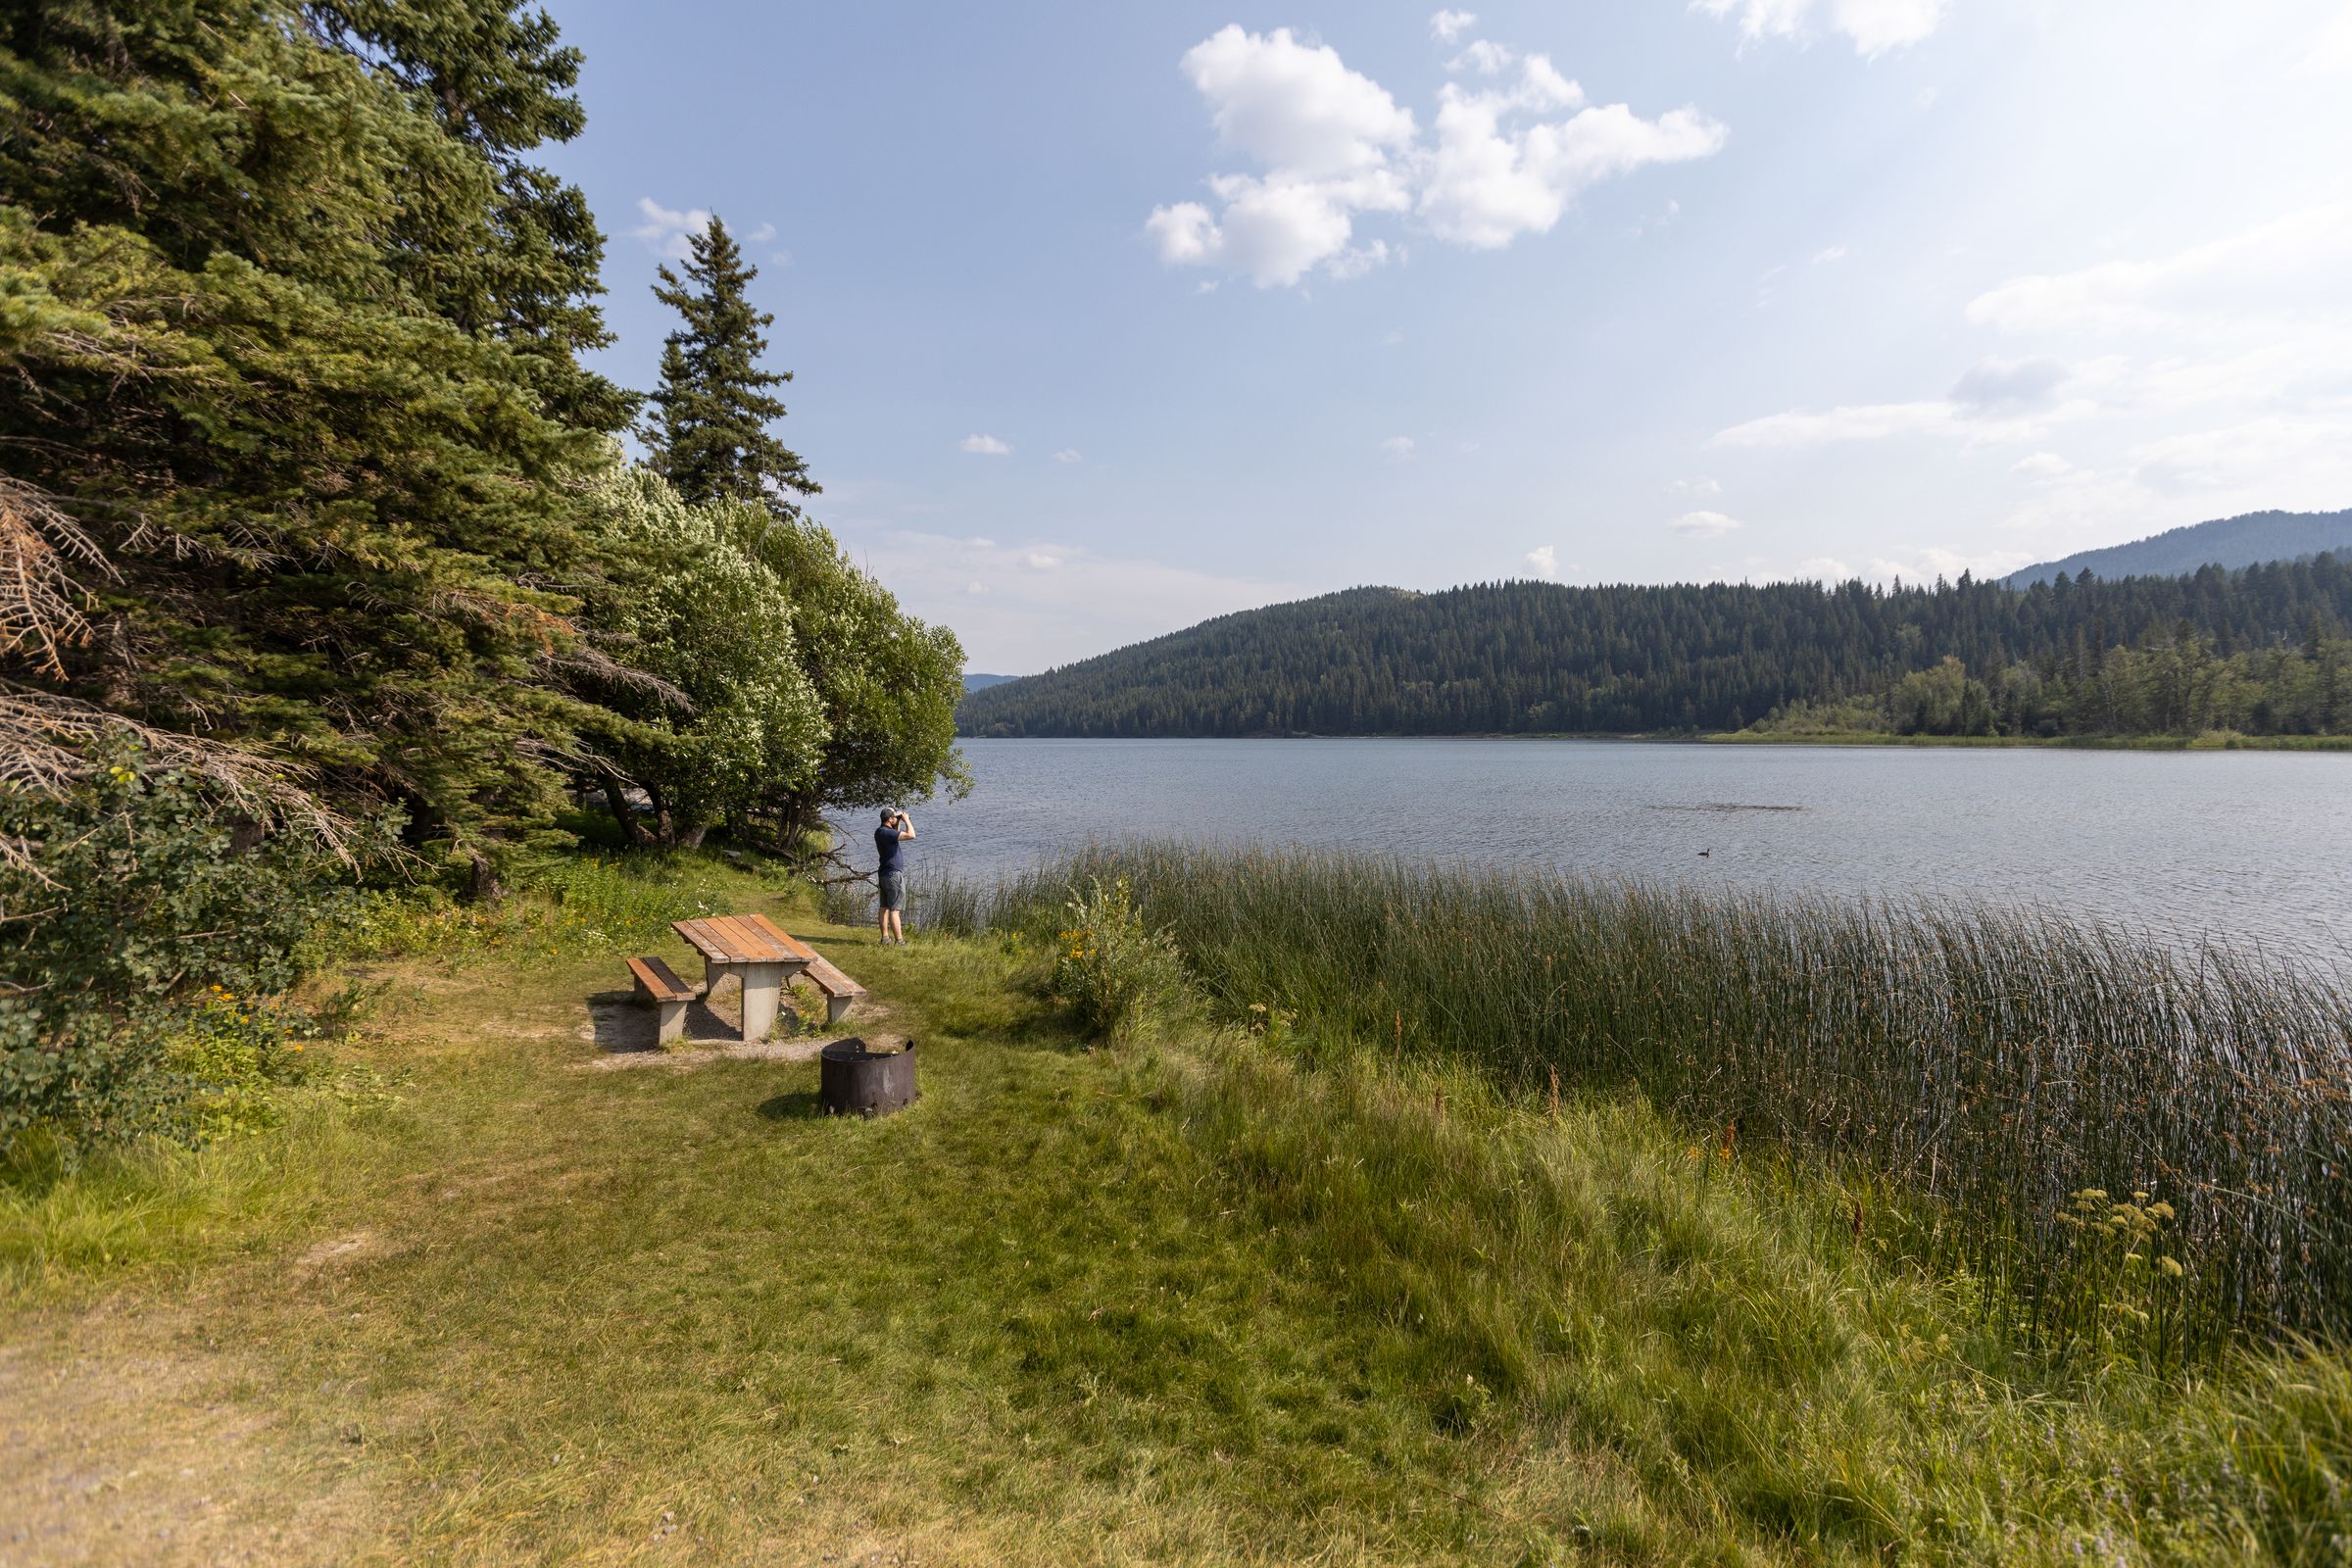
<point>744,939</point>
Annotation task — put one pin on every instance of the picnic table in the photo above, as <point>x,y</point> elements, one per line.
<point>763,956</point>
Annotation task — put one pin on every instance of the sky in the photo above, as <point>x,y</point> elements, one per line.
<point>1104,320</point>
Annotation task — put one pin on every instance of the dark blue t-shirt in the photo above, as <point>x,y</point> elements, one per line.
<point>886,845</point>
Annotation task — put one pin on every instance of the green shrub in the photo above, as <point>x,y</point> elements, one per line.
<point>232,1054</point>
<point>589,902</point>
<point>1124,978</point>
<point>133,896</point>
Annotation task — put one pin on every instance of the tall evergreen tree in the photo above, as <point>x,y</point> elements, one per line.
<point>289,419</point>
<point>709,434</point>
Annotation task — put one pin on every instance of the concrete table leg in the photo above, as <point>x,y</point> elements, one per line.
<point>762,989</point>
<point>674,1021</point>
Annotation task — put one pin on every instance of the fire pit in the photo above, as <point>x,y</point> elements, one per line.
<point>855,1080</point>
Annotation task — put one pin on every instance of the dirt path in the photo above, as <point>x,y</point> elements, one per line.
<point>144,1448</point>
<point>169,1423</point>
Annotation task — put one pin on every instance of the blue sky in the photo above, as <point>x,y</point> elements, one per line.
<point>1106,319</point>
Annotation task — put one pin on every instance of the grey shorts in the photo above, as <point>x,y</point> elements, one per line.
<point>893,888</point>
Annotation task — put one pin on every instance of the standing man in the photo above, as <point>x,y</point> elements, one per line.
<point>890,876</point>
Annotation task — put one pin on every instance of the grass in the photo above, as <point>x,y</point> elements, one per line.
<point>1237,1298</point>
<point>1990,1069</point>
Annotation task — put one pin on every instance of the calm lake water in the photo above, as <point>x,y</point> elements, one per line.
<point>2252,846</point>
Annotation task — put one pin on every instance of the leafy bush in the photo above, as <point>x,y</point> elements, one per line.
<point>130,898</point>
<point>1124,978</point>
<point>586,903</point>
<point>232,1053</point>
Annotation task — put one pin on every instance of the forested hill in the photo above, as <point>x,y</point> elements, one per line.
<point>2257,536</point>
<point>1531,656</point>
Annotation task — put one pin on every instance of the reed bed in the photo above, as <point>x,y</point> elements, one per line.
<point>2125,1143</point>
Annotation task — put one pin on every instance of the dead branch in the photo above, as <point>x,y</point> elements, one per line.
<point>40,602</point>
<point>45,742</point>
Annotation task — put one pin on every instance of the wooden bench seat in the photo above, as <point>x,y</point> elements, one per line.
<point>660,985</point>
<point>841,991</point>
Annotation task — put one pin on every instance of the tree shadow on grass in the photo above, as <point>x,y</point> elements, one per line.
<point>801,1105</point>
<point>621,1023</point>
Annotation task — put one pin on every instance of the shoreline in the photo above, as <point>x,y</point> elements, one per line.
<point>2211,742</point>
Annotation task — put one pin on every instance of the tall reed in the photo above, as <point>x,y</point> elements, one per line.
<point>1995,1063</point>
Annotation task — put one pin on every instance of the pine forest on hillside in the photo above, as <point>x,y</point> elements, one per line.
<point>2243,541</point>
<point>2261,650</point>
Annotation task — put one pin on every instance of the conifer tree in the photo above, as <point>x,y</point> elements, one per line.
<point>289,416</point>
<point>708,433</point>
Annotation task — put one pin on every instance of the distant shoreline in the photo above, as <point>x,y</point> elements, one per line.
<point>2076,743</point>
<point>1833,738</point>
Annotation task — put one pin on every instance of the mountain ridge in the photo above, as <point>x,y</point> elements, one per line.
<point>2248,539</point>
<point>1541,657</point>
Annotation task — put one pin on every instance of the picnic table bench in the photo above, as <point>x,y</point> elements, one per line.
<point>660,985</point>
<point>763,956</point>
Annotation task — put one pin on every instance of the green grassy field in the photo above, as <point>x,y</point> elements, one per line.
<point>486,1297</point>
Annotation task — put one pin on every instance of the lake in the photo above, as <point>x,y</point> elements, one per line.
<point>2251,847</point>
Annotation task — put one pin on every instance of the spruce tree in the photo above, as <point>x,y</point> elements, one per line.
<point>289,419</point>
<point>708,433</point>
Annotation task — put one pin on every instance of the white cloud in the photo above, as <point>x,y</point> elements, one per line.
<point>1828,254</point>
<point>1999,417</point>
<point>986,446</point>
<point>1703,524</point>
<point>2331,50</point>
<point>1336,147</point>
<point>666,229</point>
<point>1398,446</point>
<point>2201,381</point>
<point>1926,566</point>
<point>1544,562</point>
<point>1491,178</point>
<point>763,234</point>
<point>1862,422</point>
<point>1359,260</point>
<point>1874,26</point>
<point>2253,451</point>
<point>1295,106</point>
<point>1448,25</point>
<point>1068,455</point>
<point>1997,383</point>
<point>1484,56</point>
<point>1013,615</point>
<point>1825,568</point>
<point>2220,290</point>
<point>1693,487</point>
<point>2210,379</point>
<point>1040,561</point>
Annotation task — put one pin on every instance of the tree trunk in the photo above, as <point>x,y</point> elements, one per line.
<point>617,796</point>
<point>796,816</point>
<point>482,885</point>
<point>665,828</point>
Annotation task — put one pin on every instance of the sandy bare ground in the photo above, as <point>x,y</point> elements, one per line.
<point>143,1449</point>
